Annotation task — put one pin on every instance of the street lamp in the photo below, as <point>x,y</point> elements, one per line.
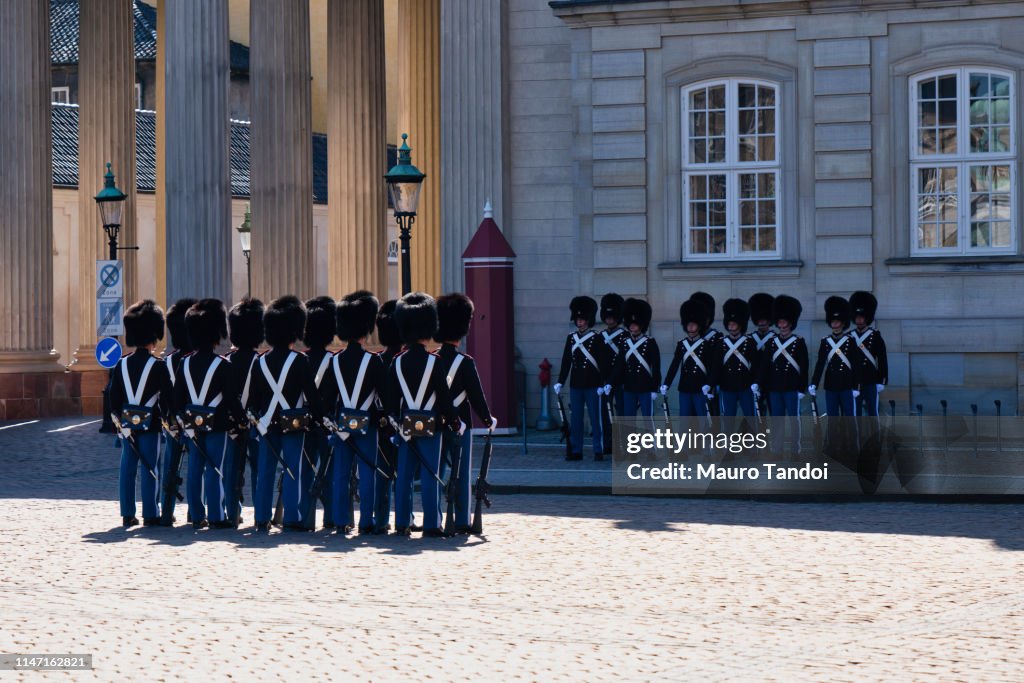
<point>110,201</point>
<point>404,184</point>
<point>245,239</point>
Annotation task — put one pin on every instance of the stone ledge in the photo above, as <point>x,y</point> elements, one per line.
<point>962,265</point>
<point>685,270</point>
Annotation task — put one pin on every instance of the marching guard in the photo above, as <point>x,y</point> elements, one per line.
<point>350,392</point>
<point>838,361</point>
<point>387,333</point>
<point>589,360</point>
<point>245,332</point>
<point>140,394</point>
<point>284,400</point>
<point>174,447</point>
<point>695,360</point>
<point>454,315</point>
<point>873,373</point>
<point>738,369</point>
<point>639,366</point>
<point>206,408</point>
<point>712,337</point>
<point>321,315</point>
<point>614,336</point>
<point>784,368</point>
<point>417,401</point>
<point>760,305</point>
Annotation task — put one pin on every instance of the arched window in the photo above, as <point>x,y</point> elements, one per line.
<point>962,162</point>
<point>731,170</point>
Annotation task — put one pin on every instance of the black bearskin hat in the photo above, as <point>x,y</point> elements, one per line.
<point>454,314</point>
<point>284,321</point>
<point>245,324</point>
<point>207,323</point>
<point>738,311</point>
<point>320,314</point>
<point>611,307</point>
<point>387,330</point>
<point>760,307</point>
<point>143,323</point>
<point>356,315</point>
<point>837,308</point>
<point>786,308</point>
<point>583,307</point>
<point>176,325</point>
<point>636,311</point>
<point>865,304</point>
<point>693,311</point>
<point>708,302</point>
<point>416,317</point>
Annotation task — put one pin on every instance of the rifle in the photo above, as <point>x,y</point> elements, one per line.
<point>566,432</point>
<point>174,480</point>
<point>270,447</point>
<point>316,489</point>
<point>346,436</point>
<point>664,409</point>
<point>817,422</point>
<point>202,451</point>
<point>452,491</point>
<point>127,437</point>
<point>238,485</point>
<point>482,487</point>
<point>411,442</point>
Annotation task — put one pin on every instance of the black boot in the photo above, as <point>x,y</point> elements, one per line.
<point>129,521</point>
<point>150,521</point>
<point>201,524</point>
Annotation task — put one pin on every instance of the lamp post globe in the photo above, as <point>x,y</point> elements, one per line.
<point>405,182</point>
<point>110,202</point>
<point>245,240</point>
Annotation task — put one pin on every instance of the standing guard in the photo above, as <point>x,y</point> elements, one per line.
<point>639,367</point>
<point>387,333</point>
<point>738,369</point>
<point>140,393</point>
<point>350,392</point>
<point>711,336</point>
<point>245,331</point>
<point>206,408</point>
<point>321,314</point>
<point>695,360</point>
<point>417,401</point>
<point>761,315</point>
<point>784,363</point>
<point>284,398</point>
<point>614,336</point>
<point>873,373</point>
<point>838,360</point>
<point>182,346</point>
<point>454,315</point>
<point>589,359</point>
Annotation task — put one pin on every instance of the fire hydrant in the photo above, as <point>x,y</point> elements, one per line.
<point>544,419</point>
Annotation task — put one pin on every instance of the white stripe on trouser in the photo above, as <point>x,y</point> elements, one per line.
<point>159,470</point>
<point>220,466</point>
<point>298,479</point>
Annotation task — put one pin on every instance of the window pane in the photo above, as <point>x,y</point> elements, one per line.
<point>926,180</point>
<point>947,86</point>
<point>947,112</point>
<point>716,152</point>
<point>716,97</point>
<point>926,236</point>
<point>716,185</point>
<point>698,124</point>
<point>979,85</point>
<point>699,241</point>
<point>948,234</point>
<point>766,239</point>
<point>1001,234</point>
<point>1001,141</point>
<point>926,113</point>
<point>980,235</point>
<point>766,121</point>
<point>748,213</point>
<point>747,95</point>
<point>979,111</point>
<point>926,141</point>
<point>748,185</point>
<point>765,96</point>
<point>766,185</point>
<point>748,121</point>
<point>717,239</point>
<point>926,89</point>
<point>698,214</point>
<point>1000,86</point>
<point>947,138</point>
<point>748,239</point>
<point>698,151</point>
<point>699,99</point>
<point>698,187</point>
<point>766,147</point>
<point>716,214</point>
<point>1001,111</point>
<point>766,212</point>
<point>716,123</point>
<point>748,149</point>
<point>980,139</point>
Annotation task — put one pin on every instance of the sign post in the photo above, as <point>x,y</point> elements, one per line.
<point>109,298</point>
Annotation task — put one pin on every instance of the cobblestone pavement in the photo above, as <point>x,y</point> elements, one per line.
<point>561,587</point>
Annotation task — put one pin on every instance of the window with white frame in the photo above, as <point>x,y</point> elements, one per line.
<point>731,170</point>
<point>962,162</point>
<point>60,95</point>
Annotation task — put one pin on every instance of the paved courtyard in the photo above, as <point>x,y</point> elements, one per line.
<point>561,587</point>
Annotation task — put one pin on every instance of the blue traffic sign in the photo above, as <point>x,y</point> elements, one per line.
<point>108,352</point>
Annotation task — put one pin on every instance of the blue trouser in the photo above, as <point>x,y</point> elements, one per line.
<point>165,462</point>
<point>785,404</point>
<point>148,444</point>
<point>464,482</point>
<point>841,437</point>
<point>382,496</point>
<point>618,396</point>
<point>430,490</point>
<point>840,403</point>
<point>731,400</point>
<point>692,404</point>
<point>634,400</point>
<point>240,451</point>
<point>321,448</point>
<point>289,446</point>
<point>203,478</point>
<point>577,399</point>
<point>868,400</point>
<point>341,480</point>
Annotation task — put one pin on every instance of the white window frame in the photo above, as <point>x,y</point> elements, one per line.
<point>732,168</point>
<point>63,90</point>
<point>962,160</point>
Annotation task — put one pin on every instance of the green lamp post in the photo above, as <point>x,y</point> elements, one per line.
<point>245,239</point>
<point>110,201</point>
<point>405,182</point>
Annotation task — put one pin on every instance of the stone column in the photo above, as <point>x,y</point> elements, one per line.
<point>473,124</point>
<point>106,134</point>
<point>357,140</point>
<point>197,173</point>
<point>281,167</point>
<point>26,202</point>
<point>419,82</point>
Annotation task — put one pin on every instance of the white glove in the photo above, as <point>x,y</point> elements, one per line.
<point>557,388</point>
<point>812,390</point>
<point>756,390</point>
<point>706,390</point>
<point>879,388</point>
<point>663,389</point>
<point>600,391</point>
<point>856,393</point>
<point>494,423</point>
<point>654,395</point>
<point>462,427</point>
<point>799,396</point>
<point>607,389</point>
